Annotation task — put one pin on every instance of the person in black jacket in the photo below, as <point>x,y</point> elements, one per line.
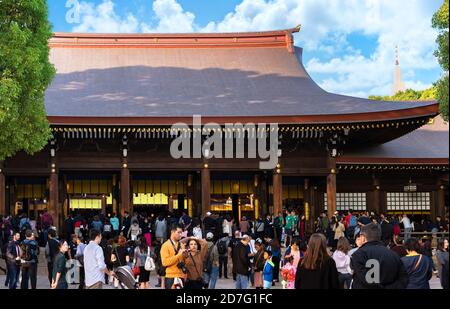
<point>209,224</point>
<point>375,266</point>
<point>13,260</point>
<point>241,263</point>
<point>317,270</point>
<point>387,230</point>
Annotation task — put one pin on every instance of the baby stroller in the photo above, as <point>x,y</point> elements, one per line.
<point>126,278</point>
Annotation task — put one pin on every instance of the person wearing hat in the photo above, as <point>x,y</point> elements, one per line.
<point>211,269</point>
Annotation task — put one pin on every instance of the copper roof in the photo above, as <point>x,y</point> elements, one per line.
<point>166,76</point>
<point>428,144</point>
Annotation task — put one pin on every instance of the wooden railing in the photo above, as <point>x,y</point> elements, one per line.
<point>434,237</point>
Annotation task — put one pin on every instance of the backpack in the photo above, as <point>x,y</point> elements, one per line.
<point>353,221</point>
<point>26,253</point>
<point>222,247</point>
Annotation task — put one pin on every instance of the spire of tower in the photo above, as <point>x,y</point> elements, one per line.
<point>396,55</point>
<point>398,83</point>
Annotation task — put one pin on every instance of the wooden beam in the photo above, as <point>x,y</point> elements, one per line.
<point>331,186</point>
<point>376,196</point>
<point>206,190</point>
<point>277,184</point>
<point>125,188</point>
<point>53,206</point>
<point>440,201</point>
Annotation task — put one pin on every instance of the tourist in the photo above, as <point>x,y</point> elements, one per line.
<point>79,256</point>
<point>244,225</point>
<point>119,256</point>
<point>278,226</point>
<point>233,244</point>
<point>97,224</point>
<point>294,252</point>
<point>173,257</point>
<point>146,232</point>
<point>268,227</point>
<point>342,260</point>
<point>222,248</point>
<point>339,232</point>
<point>289,228</point>
<point>115,225</point>
<point>259,228</point>
<point>141,253</point>
<point>241,262</point>
<point>126,223</point>
<point>94,262</point>
<point>134,231</point>
<point>317,270</point>
<point>386,230</point>
<point>51,249</point>
<point>13,261</point>
<point>227,226</point>
<point>276,259</point>
<point>407,225</point>
<point>212,262</point>
<point>258,264</point>
<point>442,257</point>
<point>392,274</point>
<point>302,227</point>
<point>30,253</point>
<point>59,267</point>
<point>68,227</point>
<point>397,246</point>
<point>288,274</point>
<point>268,269</point>
<point>418,266</point>
<point>161,229</point>
<point>198,249</point>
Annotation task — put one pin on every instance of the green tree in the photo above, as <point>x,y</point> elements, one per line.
<point>440,22</point>
<point>409,95</point>
<point>25,74</point>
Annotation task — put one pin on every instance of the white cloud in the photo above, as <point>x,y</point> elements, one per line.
<point>171,18</point>
<point>326,25</point>
<point>102,18</point>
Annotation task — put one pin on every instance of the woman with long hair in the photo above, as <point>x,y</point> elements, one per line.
<point>342,260</point>
<point>141,253</point>
<point>317,270</point>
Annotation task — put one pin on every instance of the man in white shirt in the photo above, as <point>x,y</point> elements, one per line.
<point>407,225</point>
<point>94,262</point>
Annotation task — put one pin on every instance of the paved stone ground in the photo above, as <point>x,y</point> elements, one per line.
<point>221,283</point>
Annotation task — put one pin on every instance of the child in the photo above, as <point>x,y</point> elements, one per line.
<point>268,269</point>
<point>288,273</point>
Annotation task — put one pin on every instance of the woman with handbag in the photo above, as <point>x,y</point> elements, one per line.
<point>119,256</point>
<point>197,250</point>
<point>141,256</point>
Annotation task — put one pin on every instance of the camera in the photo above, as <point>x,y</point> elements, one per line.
<point>182,266</point>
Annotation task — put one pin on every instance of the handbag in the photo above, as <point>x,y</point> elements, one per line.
<point>136,271</point>
<point>149,263</point>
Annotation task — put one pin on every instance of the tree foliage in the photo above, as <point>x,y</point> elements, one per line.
<point>25,74</point>
<point>441,23</point>
<point>409,95</point>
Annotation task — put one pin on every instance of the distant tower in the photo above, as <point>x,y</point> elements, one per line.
<point>398,83</point>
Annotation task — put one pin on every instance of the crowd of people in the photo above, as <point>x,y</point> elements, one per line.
<point>193,253</point>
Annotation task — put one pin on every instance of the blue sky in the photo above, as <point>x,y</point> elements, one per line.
<point>348,45</point>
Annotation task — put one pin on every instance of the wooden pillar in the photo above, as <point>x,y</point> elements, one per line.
<point>104,205</point>
<point>206,189</point>
<point>331,188</point>
<point>125,188</point>
<point>307,203</point>
<point>376,196</point>
<point>53,203</point>
<point>2,191</point>
<point>440,201</point>
<point>277,184</point>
